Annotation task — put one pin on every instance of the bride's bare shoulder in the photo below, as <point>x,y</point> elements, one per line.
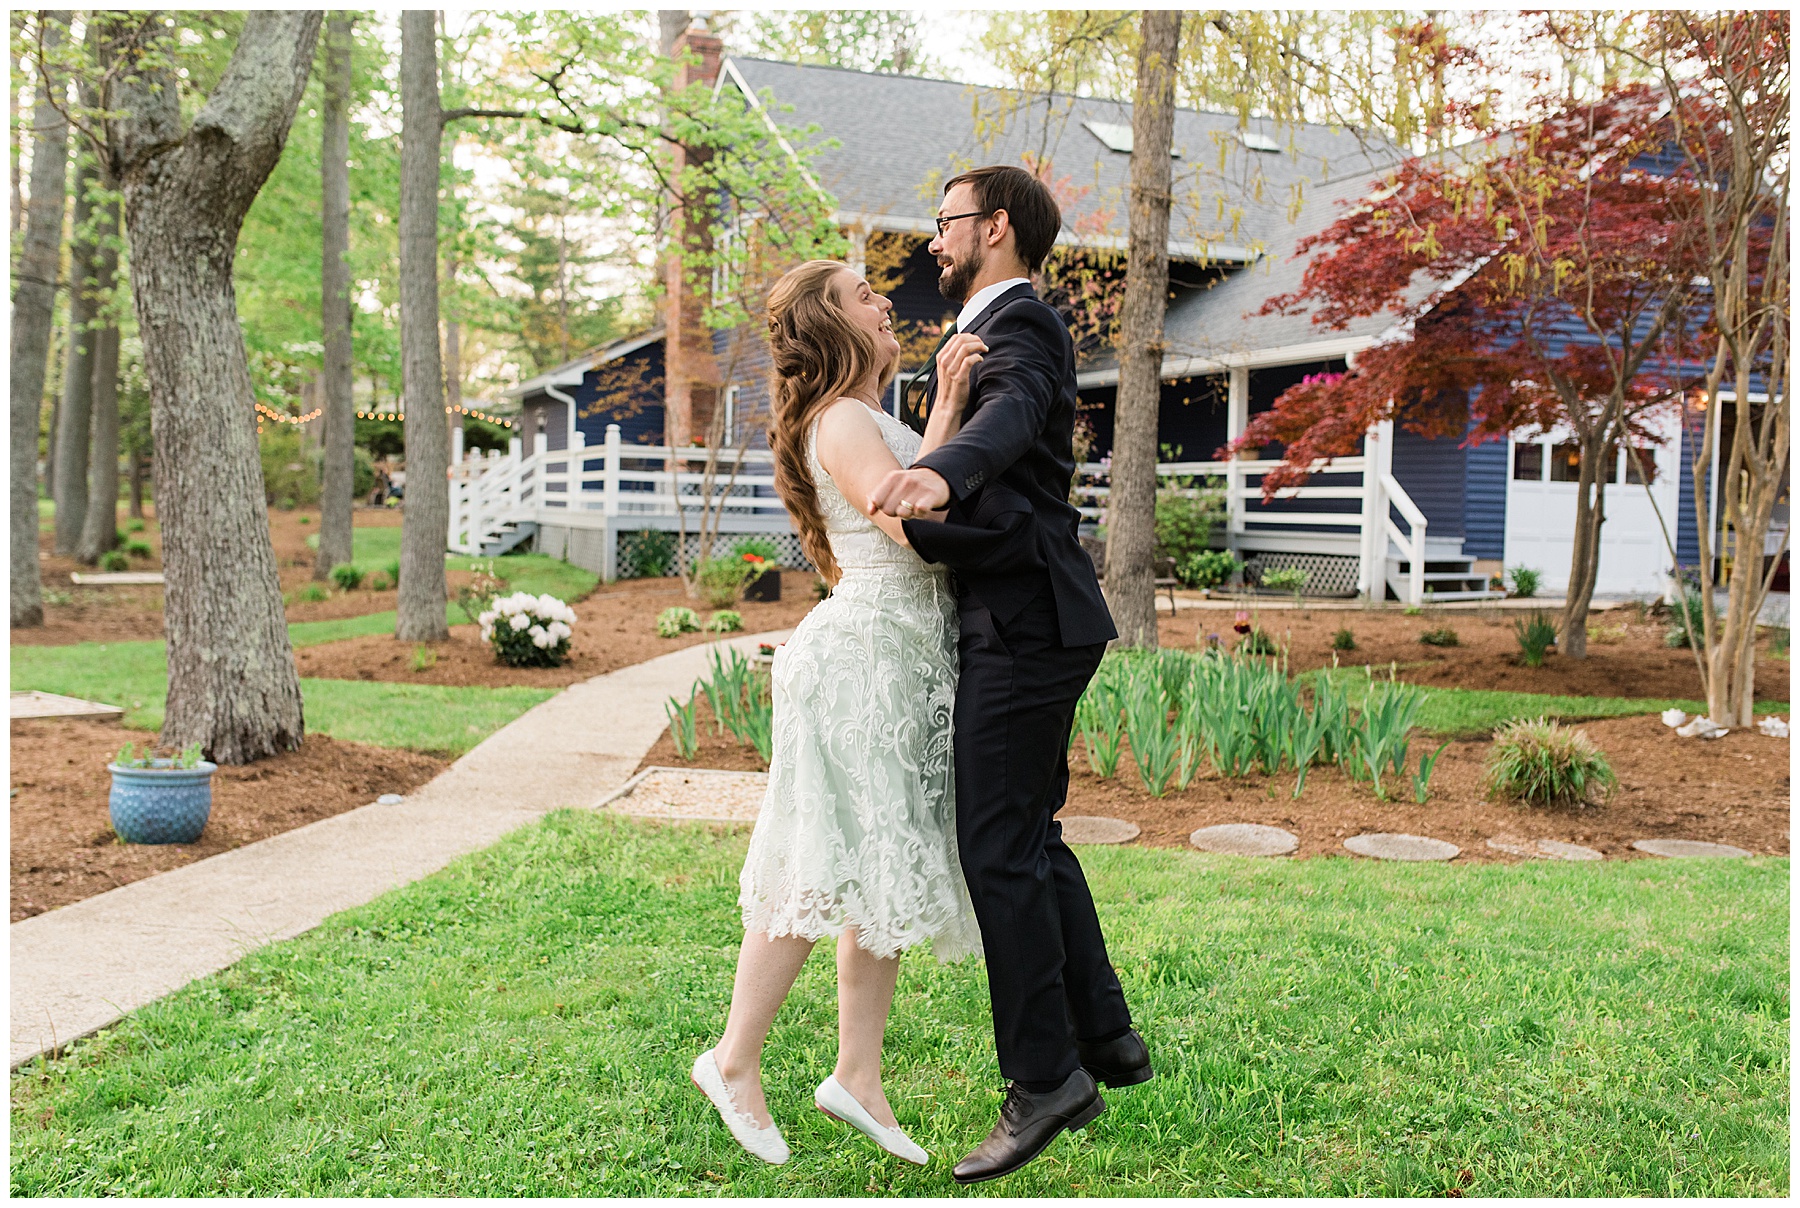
<point>848,418</point>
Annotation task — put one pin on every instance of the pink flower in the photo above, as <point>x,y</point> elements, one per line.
<point>1241,622</point>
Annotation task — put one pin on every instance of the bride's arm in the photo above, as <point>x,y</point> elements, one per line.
<point>852,451</point>
<point>956,362</point>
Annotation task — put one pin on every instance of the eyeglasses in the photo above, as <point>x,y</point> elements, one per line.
<point>943,224</point>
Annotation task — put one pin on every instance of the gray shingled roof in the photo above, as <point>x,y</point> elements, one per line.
<point>900,137</point>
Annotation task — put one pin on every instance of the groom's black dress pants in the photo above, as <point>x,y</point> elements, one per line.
<point>1048,974</point>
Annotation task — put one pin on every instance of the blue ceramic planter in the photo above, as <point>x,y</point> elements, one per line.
<point>161,803</point>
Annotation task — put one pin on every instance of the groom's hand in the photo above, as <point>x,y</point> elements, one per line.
<point>909,493</point>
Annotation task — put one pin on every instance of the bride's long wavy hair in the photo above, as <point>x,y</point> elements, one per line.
<point>818,357</point>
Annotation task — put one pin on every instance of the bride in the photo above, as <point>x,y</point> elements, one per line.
<point>857,834</point>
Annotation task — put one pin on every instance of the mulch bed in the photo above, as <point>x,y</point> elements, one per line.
<point>1630,660</point>
<point>63,848</point>
<point>1729,790</point>
<point>135,613</point>
<point>615,627</point>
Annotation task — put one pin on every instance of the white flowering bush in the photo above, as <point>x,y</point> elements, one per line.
<point>527,630</point>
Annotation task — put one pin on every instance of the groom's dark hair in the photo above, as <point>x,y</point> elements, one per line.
<point>1034,214</point>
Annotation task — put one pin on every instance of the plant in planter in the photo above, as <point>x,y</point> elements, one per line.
<point>160,799</point>
<point>765,584</point>
<point>527,630</point>
<point>721,579</point>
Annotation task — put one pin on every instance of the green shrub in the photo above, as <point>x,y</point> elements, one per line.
<point>1208,568</point>
<point>378,581</point>
<point>725,621</point>
<point>1343,639</point>
<point>290,477</point>
<point>347,576</point>
<point>720,580</point>
<point>305,519</point>
<point>1289,578</point>
<point>1689,628</point>
<point>1540,763</point>
<point>112,561</point>
<point>652,553</point>
<point>312,593</point>
<point>672,622</point>
<point>362,473</point>
<point>137,549</point>
<point>1184,523</point>
<point>135,526</point>
<point>1536,635</point>
<point>393,571</point>
<point>1525,581</point>
<point>1443,635</point>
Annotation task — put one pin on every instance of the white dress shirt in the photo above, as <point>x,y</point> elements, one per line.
<point>983,298</point>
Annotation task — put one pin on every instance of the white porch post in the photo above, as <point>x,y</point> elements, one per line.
<point>859,251</point>
<point>614,452</point>
<point>1370,579</point>
<point>1237,418</point>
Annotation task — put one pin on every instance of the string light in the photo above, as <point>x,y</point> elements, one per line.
<point>397,416</point>
<point>266,412</point>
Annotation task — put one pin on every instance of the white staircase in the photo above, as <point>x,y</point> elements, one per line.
<point>1449,574</point>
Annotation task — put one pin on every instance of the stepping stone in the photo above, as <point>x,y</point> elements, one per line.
<point>49,704</point>
<point>1244,839</point>
<point>1402,847</point>
<point>1543,849</point>
<point>119,577</point>
<point>1085,828</point>
<point>1689,849</point>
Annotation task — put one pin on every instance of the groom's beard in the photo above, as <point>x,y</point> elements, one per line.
<point>956,282</point>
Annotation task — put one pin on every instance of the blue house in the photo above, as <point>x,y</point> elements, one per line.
<point>1406,517</point>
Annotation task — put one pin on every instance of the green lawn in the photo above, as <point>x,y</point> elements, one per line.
<point>522,1024</point>
<point>374,548</point>
<point>423,717</point>
<point>1474,712</point>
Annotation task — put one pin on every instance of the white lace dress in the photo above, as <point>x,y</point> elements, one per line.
<point>858,827</point>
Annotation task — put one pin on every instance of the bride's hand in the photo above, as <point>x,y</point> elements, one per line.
<point>956,362</point>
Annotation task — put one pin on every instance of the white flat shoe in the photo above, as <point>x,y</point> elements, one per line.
<point>838,1103</point>
<point>765,1143</point>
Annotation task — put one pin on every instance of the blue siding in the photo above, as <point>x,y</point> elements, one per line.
<point>1434,473</point>
<point>627,391</point>
<point>1687,528</point>
<point>1484,502</point>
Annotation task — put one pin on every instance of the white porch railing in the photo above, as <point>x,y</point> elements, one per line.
<point>490,493</point>
<point>616,484</point>
<point>1370,527</point>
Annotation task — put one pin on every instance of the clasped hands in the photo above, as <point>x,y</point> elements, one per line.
<point>916,492</point>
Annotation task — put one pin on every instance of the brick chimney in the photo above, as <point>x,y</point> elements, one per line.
<point>692,373</point>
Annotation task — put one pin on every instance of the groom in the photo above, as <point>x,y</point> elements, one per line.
<point>1034,626</point>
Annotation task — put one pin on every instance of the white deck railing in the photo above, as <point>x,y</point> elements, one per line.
<point>619,480</point>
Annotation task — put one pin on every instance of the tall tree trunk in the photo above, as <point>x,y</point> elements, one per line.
<point>74,417</point>
<point>100,526</point>
<point>337,500</point>
<point>425,530</point>
<point>34,306</point>
<point>1131,503</point>
<point>232,684</point>
<point>135,464</point>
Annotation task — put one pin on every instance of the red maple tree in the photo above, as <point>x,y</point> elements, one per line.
<point>1542,278</point>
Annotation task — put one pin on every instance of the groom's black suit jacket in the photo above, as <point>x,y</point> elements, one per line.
<point>1010,530</point>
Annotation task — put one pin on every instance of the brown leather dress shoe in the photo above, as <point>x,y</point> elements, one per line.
<point>1028,1123</point>
<point>1122,1061</point>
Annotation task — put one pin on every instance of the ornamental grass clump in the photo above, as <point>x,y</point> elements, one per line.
<point>527,630</point>
<point>1536,635</point>
<point>1540,763</point>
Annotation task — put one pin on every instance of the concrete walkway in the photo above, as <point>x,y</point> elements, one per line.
<point>77,969</point>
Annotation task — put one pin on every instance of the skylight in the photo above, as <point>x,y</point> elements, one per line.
<point>1117,137</point>
<point>1257,142</point>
